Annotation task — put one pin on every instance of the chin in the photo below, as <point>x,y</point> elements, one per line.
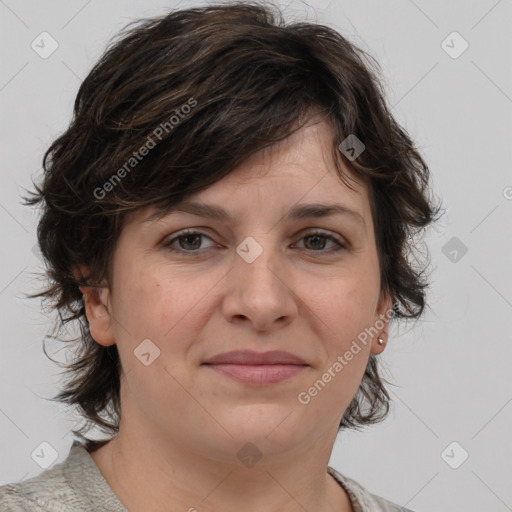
<point>270,427</point>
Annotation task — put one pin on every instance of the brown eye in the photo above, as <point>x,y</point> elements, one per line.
<point>186,242</point>
<point>189,243</point>
<point>317,242</point>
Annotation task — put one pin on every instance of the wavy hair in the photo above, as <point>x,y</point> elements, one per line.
<point>249,79</point>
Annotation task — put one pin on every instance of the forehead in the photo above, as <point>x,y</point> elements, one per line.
<point>306,158</point>
<point>296,171</point>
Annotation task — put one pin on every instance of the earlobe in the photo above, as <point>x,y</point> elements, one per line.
<point>97,308</point>
<point>381,324</point>
<point>98,314</point>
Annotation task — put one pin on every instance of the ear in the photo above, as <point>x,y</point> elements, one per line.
<point>381,323</point>
<point>97,310</point>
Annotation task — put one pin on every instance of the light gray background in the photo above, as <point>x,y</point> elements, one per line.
<point>452,369</point>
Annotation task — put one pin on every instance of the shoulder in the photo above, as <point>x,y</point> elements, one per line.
<point>34,494</point>
<point>73,485</point>
<point>13,499</point>
<point>363,500</point>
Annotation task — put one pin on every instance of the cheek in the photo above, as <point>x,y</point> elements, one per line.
<point>148,313</point>
<point>346,314</point>
<point>140,306</point>
<point>346,305</point>
<point>168,310</point>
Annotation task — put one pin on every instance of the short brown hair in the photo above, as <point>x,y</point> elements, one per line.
<point>248,80</point>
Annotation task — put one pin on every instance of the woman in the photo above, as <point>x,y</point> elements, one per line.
<point>227,218</point>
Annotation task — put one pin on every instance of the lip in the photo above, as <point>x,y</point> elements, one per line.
<point>255,368</point>
<point>250,357</point>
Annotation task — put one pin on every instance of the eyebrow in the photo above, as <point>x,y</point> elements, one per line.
<point>298,212</point>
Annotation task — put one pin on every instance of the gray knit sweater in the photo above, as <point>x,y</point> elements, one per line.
<point>77,485</point>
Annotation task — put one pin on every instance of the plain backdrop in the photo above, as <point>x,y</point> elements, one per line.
<point>446,445</point>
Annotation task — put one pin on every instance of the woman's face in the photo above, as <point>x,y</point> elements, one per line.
<point>257,280</point>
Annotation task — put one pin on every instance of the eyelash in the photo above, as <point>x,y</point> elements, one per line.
<point>185,233</point>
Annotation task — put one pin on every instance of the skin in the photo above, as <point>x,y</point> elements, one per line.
<point>182,423</point>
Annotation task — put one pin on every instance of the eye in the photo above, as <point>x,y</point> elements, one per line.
<point>317,241</point>
<point>189,242</point>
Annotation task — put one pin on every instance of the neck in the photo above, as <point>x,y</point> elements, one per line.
<point>153,474</point>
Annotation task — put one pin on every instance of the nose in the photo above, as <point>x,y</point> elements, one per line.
<point>260,290</point>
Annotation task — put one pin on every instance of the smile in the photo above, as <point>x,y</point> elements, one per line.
<point>258,375</point>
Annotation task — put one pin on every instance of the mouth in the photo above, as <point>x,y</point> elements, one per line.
<point>257,369</point>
